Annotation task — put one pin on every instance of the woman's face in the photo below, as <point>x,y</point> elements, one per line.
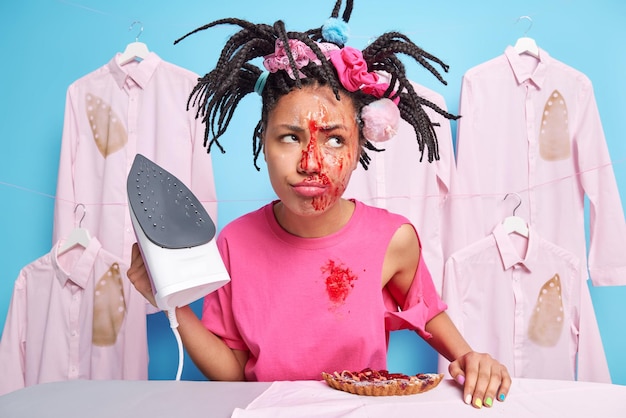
<point>311,146</point>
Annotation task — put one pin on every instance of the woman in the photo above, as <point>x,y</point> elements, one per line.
<point>318,281</point>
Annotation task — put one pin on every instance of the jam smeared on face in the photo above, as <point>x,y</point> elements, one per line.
<point>312,159</point>
<point>339,282</point>
<point>325,163</point>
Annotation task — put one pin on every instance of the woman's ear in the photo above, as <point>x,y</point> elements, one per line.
<point>355,163</point>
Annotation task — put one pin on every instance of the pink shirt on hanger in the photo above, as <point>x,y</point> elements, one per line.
<point>396,180</point>
<point>522,301</point>
<point>51,331</point>
<point>112,114</point>
<point>531,126</point>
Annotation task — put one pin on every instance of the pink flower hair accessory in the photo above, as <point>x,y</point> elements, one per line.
<point>301,53</point>
<point>353,74</point>
<point>352,68</point>
<point>381,120</point>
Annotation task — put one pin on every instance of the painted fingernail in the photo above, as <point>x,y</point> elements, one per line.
<point>501,397</point>
<point>460,379</point>
<point>478,403</point>
<point>468,399</point>
<point>488,401</point>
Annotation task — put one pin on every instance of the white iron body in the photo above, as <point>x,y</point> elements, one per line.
<point>183,275</point>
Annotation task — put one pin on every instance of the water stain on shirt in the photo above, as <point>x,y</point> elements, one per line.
<point>546,323</point>
<point>108,130</point>
<point>554,138</point>
<point>109,307</point>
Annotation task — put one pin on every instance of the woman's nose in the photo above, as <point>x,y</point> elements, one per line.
<point>310,162</point>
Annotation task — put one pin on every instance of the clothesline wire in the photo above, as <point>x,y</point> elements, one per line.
<point>468,26</point>
<point>89,9</point>
<point>425,196</point>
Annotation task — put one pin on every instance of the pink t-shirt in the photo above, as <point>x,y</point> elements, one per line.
<point>301,306</point>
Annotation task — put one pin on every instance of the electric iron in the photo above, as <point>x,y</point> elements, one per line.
<point>175,235</point>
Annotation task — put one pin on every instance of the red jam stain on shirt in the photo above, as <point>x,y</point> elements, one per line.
<point>339,282</point>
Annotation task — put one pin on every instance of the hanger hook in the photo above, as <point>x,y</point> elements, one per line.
<point>530,24</point>
<point>80,223</point>
<point>140,29</point>
<point>519,201</point>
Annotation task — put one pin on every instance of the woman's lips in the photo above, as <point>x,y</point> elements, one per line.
<point>309,189</point>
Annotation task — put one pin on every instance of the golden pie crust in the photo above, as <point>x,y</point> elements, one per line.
<point>370,382</point>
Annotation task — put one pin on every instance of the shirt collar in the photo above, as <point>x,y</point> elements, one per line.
<point>509,254</point>
<point>140,72</point>
<point>524,71</point>
<point>80,273</point>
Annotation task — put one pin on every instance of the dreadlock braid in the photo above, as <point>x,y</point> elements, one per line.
<point>394,42</point>
<point>346,12</point>
<point>380,55</point>
<point>218,93</point>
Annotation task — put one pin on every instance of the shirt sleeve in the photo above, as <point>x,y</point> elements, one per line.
<point>202,180</point>
<point>422,303</point>
<point>464,204</point>
<point>65,193</point>
<point>12,345</point>
<point>592,363</point>
<point>607,229</point>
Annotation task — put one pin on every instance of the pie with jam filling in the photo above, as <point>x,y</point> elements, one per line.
<point>381,383</point>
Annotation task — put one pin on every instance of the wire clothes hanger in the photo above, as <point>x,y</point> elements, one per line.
<point>135,51</point>
<point>78,236</point>
<point>515,223</point>
<point>525,44</point>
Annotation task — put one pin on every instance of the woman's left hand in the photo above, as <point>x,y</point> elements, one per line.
<point>483,378</point>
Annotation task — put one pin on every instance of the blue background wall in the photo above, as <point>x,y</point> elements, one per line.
<point>45,45</point>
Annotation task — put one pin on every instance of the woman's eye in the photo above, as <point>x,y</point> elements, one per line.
<point>289,139</point>
<point>335,142</point>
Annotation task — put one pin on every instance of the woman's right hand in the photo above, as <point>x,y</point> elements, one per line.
<point>209,352</point>
<point>138,275</point>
